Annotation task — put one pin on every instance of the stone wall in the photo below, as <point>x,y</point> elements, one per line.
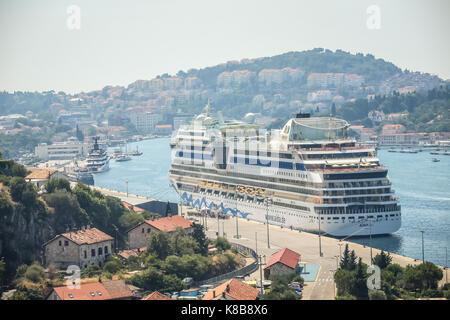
<point>61,252</point>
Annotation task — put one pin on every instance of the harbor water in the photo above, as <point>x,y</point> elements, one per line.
<point>422,185</point>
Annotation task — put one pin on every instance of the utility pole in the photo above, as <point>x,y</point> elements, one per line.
<point>320,240</point>
<point>236,212</point>
<point>423,249</point>
<point>268,202</point>
<point>260,273</point>
<point>446,266</point>
<point>256,243</point>
<point>218,225</point>
<point>371,259</point>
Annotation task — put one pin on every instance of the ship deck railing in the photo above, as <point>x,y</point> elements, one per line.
<point>360,169</point>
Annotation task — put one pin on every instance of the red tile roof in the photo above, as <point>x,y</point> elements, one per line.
<point>286,256</point>
<point>156,296</point>
<point>131,253</point>
<point>234,289</point>
<point>41,174</point>
<point>170,223</point>
<point>88,236</point>
<point>115,289</point>
<point>131,207</point>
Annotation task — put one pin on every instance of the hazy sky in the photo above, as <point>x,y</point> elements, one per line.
<point>122,41</point>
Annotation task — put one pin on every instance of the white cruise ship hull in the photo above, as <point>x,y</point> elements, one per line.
<point>300,221</point>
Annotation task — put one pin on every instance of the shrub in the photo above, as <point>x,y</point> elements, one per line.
<point>346,297</point>
<point>377,295</point>
<point>112,266</point>
<point>35,273</point>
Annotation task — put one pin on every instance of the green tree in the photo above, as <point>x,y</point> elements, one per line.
<point>112,266</point>
<point>16,187</point>
<point>57,183</point>
<point>360,289</point>
<point>279,290</point>
<point>348,260</point>
<point>2,271</point>
<point>158,243</point>
<point>344,280</point>
<point>382,259</point>
<point>430,275</point>
<point>199,235</point>
<point>181,244</point>
<point>29,195</point>
<point>222,244</point>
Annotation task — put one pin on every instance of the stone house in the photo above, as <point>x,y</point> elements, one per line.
<point>138,235</point>
<point>83,248</point>
<point>39,177</point>
<point>281,263</point>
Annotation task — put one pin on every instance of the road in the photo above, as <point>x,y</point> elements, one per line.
<point>254,235</point>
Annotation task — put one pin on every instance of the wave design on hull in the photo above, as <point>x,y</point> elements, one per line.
<point>199,203</point>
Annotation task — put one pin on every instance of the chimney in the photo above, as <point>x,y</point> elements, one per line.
<point>228,287</point>
<point>214,293</point>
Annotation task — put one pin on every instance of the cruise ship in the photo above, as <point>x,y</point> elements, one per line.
<point>309,176</point>
<point>97,160</point>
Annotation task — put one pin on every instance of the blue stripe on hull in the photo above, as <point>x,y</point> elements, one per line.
<point>199,203</point>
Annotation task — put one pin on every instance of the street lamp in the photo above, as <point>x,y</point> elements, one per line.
<point>423,249</point>
<point>320,240</point>
<point>370,242</point>
<point>340,246</point>
<point>127,186</point>
<point>236,212</point>
<point>268,202</point>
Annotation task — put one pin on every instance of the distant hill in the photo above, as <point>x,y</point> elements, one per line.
<point>271,86</point>
<point>424,111</point>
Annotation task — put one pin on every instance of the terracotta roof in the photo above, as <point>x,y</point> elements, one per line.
<point>131,253</point>
<point>235,289</point>
<point>156,296</point>
<point>88,236</point>
<point>170,223</point>
<point>41,174</point>
<point>118,289</point>
<point>132,207</point>
<point>108,290</point>
<point>286,256</point>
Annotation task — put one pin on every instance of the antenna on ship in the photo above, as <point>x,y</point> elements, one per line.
<point>208,108</point>
<point>329,129</point>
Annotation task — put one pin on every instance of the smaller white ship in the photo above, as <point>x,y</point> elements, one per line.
<point>97,160</point>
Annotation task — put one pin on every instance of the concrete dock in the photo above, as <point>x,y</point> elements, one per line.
<point>254,235</point>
